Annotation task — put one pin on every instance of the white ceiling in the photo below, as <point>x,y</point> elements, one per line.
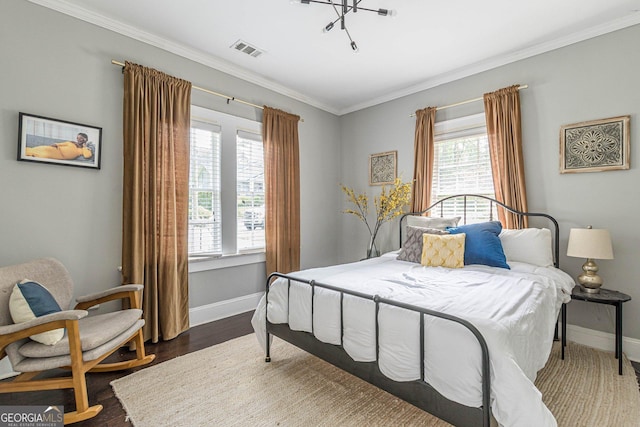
<point>426,44</point>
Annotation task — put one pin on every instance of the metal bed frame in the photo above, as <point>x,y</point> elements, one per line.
<point>418,392</point>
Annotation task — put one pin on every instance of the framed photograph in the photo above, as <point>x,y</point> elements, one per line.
<point>382,168</point>
<point>46,140</point>
<point>595,146</point>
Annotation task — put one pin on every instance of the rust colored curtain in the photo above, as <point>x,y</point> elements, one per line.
<point>156,124</point>
<point>423,159</point>
<point>502,110</point>
<point>282,190</point>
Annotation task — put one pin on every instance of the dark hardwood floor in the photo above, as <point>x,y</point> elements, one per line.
<point>100,391</point>
<point>98,387</point>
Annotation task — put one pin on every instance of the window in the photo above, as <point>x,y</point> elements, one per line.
<point>226,185</point>
<point>462,165</point>
<point>205,225</point>
<point>250,191</point>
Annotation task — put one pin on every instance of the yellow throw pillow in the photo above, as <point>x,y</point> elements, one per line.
<point>445,250</point>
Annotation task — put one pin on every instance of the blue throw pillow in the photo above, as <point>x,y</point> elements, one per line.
<point>482,244</point>
<point>29,300</point>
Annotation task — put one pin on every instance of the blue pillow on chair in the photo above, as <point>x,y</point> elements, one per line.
<point>482,244</point>
<point>29,300</point>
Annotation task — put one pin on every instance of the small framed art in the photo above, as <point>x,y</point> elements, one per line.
<point>383,168</point>
<point>46,140</point>
<point>595,146</point>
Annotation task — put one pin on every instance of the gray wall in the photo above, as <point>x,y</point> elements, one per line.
<point>56,66</point>
<point>590,80</point>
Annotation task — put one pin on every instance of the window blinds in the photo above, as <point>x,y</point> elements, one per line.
<point>462,166</point>
<point>205,221</point>
<point>250,191</point>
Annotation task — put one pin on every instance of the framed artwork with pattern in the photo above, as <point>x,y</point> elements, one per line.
<point>595,146</point>
<point>383,168</point>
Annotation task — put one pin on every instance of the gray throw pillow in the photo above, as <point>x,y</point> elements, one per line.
<point>412,248</point>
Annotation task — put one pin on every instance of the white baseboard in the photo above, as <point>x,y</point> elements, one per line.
<point>603,341</point>
<point>220,310</point>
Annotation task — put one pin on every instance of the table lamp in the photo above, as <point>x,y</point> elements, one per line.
<point>590,243</point>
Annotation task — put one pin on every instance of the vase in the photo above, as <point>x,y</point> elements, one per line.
<point>372,250</point>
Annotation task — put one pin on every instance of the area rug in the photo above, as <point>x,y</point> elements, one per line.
<point>231,385</point>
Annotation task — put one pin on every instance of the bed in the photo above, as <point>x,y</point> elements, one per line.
<point>463,344</point>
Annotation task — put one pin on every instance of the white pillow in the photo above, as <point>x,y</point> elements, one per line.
<point>432,222</point>
<point>29,300</point>
<point>530,245</point>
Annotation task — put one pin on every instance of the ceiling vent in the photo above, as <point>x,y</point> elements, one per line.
<point>247,48</point>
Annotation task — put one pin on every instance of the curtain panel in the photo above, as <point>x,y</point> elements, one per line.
<point>423,159</point>
<point>282,190</point>
<point>502,111</point>
<point>156,125</point>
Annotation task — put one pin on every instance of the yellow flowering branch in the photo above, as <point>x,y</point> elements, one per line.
<point>388,205</point>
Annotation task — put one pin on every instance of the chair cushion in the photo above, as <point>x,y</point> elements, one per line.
<point>29,300</point>
<point>35,364</point>
<point>46,271</point>
<point>94,331</point>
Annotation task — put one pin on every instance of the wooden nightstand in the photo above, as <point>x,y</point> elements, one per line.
<point>605,296</point>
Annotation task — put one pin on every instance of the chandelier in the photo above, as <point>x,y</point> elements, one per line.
<point>342,8</point>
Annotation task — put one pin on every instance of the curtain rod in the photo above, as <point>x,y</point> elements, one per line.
<point>468,101</point>
<point>227,97</point>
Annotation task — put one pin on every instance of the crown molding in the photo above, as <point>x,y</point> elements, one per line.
<point>180,50</point>
<point>214,62</point>
<point>501,60</point>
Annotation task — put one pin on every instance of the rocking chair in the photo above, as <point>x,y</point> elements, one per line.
<point>87,340</point>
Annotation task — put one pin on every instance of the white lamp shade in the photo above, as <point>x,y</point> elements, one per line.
<point>590,243</point>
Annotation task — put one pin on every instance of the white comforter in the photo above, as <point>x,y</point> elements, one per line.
<point>515,310</point>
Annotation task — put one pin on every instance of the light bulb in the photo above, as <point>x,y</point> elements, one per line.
<point>387,12</point>
<point>328,27</point>
<point>354,46</point>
